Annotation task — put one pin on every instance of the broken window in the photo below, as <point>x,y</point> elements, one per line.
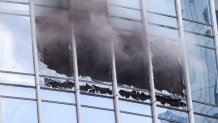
<point>54,33</point>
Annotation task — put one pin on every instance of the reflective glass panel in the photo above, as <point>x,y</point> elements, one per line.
<point>129,118</point>
<point>53,3</point>
<point>17,79</point>
<point>58,113</point>
<point>197,10</point>
<point>216,5</point>
<point>163,32</point>
<point>135,107</point>
<point>205,109</point>
<point>161,6</point>
<point>131,66</point>
<point>204,119</point>
<point>16,47</point>
<point>162,20</point>
<point>24,1</point>
<point>198,39</point>
<point>202,73</point>
<point>17,91</point>
<point>174,115</point>
<point>59,96</point>
<point>14,8</point>
<point>96,101</point>
<point>198,28</point>
<point>19,111</point>
<point>125,13</point>
<point>130,3</point>
<point>91,115</point>
<point>126,24</point>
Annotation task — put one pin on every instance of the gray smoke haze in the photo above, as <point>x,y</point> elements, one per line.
<point>94,33</point>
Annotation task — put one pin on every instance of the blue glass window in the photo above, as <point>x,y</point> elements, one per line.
<point>129,118</point>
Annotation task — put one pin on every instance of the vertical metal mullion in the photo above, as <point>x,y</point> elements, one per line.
<point>184,61</point>
<point>115,90</point>
<point>36,62</point>
<point>150,66</point>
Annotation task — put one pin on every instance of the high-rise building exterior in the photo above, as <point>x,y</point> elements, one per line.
<point>108,61</point>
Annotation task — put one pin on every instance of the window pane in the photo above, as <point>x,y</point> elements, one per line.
<point>197,10</point>
<point>128,118</point>
<point>19,111</point>
<point>172,115</point>
<point>58,113</point>
<point>204,119</point>
<point>125,13</point>
<point>202,73</point>
<point>17,91</point>
<point>135,107</point>
<point>130,3</point>
<point>199,40</point>
<point>16,47</point>
<point>198,28</point>
<point>97,101</point>
<point>14,8</point>
<point>131,66</point>
<point>205,109</point>
<point>53,3</point>
<point>162,20</point>
<point>68,97</point>
<point>161,6</point>
<point>17,79</point>
<point>91,115</point>
<point>25,1</point>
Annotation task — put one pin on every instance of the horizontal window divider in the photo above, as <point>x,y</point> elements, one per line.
<point>48,6</point>
<point>136,89</point>
<point>20,98</point>
<point>14,2</point>
<point>196,33</point>
<point>20,73</point>
<point>171,108</point>
<point>170,120</point>
<point>60,90</point>
<point>56,77</point>
<point>193,21</point>
<point>58,102</point>
<point>120,6</point>
<point>138,114</point>
<point>95,107</point>
<point>205,115</point>
<point>96,82</point>
<point>165,26</point>
<point>156,13</point>
<point>134,101</point>
<point>204,103</point>
<point>124,18</point>
<point>97,95</point>
<point>16,14</point>
<point>189,43</point>
<point>17,85</point>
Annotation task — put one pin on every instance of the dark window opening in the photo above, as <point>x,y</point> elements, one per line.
<point>167,67</point>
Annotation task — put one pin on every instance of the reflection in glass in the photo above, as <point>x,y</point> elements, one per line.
<point>53,3</point>
<point>16,47</point>
<point>52,95</point>
<point>162,20</point>
<point>198,28</point>
<point>19,111</point>
<point>174,115</point>
<point>135,107</point>
<point>197,10</point>
<point>131,3</point>
<point>97,101</point>
<point>58,113</point>
<point>14,8</point>
<point>200,40</point>
<point>17,79</point>
<point>204,119</point>
<point>202,73</point>
<point>205,109</point>
<point>161,6</point>
<point>91,115</point>
<point>129,118</point>
<point>17,91</point>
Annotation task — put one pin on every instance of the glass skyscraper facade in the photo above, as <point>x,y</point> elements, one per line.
<point>108,61</point>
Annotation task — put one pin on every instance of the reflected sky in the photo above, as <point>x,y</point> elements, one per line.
<point>128,118</point>
<point>14,8</point>
<point>16,47</point>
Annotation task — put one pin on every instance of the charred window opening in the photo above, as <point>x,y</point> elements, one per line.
<point>93,36</point>
<point>130,61</point>
<point>167,67</point>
